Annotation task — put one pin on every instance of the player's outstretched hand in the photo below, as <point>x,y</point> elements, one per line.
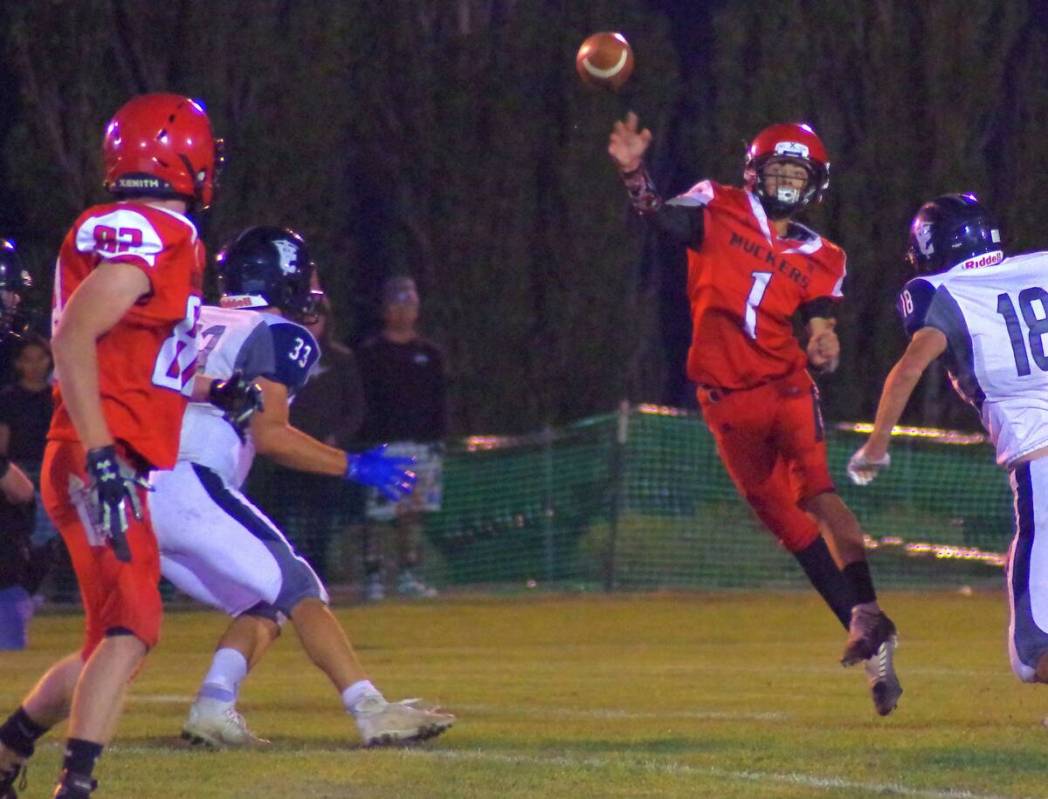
<point>863,470</point>
<point>112,487</point>
<point>627,144</point>
<point>238,397</point>
<point>390,475</point>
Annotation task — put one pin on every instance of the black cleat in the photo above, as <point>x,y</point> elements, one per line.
<point>74,786</point>
<point>8,780</point>
<point>867,631</point>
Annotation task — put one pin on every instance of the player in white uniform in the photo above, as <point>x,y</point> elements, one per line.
<point>216,546</point>
<point>989,315</point>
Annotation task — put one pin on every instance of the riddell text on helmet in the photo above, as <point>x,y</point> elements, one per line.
<point>986,259</point>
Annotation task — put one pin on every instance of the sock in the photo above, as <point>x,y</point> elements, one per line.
<point>352,696</point>
<point>20,733</point>
<point>828,580</point>
<point>858,576</point>
<point>222,681</point>
<point>80,756</point>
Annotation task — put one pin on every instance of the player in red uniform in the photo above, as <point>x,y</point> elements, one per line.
<point>751,269</point>
<point>126,301</point>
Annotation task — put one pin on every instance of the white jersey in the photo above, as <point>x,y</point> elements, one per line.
<point>259,345</point>
<point>995,319</point>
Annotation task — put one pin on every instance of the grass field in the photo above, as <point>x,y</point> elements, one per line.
<point>684,695</point>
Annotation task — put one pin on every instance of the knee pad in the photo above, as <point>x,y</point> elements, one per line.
<point>300,582</point>
<point>264,610</point>
<point>1023,672</point>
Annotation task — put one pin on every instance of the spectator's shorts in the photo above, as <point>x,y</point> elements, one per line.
<point>429,490</point>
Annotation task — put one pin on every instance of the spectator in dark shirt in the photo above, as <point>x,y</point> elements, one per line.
<point>25,405</point>
<point>406,397</point>
<point>25,415</point>
<point>27,538</point>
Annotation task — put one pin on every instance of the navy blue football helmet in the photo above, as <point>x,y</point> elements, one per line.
<point>953,229</point>
<point>268,267</point>
<point>15,282</point>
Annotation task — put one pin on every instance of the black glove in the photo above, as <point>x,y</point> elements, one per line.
<point>238,398</point>
<point>112,485</point>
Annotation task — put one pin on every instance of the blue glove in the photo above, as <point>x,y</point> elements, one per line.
<point>392,476</point>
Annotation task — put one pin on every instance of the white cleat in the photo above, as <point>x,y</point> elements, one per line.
<point>218,725</point>
<point>382,723</point>
<point>882,679</point>
<point>411,587</point>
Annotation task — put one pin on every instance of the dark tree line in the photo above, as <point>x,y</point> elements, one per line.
<point>451,139</point>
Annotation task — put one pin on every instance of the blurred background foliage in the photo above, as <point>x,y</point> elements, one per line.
<point>452,140</point>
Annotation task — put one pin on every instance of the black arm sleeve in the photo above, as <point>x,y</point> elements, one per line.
<point>823,307</point>
<point>683,224</point>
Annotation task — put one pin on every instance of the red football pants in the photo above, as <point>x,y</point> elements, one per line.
<point>117,596</point>
<point>771,441</point>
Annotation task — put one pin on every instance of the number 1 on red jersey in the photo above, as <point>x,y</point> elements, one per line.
<point>757,290</point>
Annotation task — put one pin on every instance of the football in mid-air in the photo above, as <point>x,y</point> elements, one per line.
<point>605,60</point>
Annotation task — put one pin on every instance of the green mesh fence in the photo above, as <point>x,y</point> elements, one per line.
<point>576,506</point>
<point>640,500</point>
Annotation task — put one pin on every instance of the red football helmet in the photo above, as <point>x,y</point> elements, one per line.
<point>792,143</point>
<point>161,145</point>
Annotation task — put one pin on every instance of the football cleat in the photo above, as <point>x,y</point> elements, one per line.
<point>8,780</point>
<point>867,631</point>
<point>72,785</point>
<point>219,726</point>
<point>880,674</point>
<point>383,723</point>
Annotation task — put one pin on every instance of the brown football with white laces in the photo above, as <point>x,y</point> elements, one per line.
<point>605,60</point>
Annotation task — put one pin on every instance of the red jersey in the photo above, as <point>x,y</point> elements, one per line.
<point>146,361</point>
<point>745,283</point>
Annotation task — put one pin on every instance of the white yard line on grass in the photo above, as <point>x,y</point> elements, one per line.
<point>649,765</point>
<point>660,767</point>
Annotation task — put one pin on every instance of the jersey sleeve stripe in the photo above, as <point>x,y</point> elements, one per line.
<point>838,287</point>
<point>701,194</point>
